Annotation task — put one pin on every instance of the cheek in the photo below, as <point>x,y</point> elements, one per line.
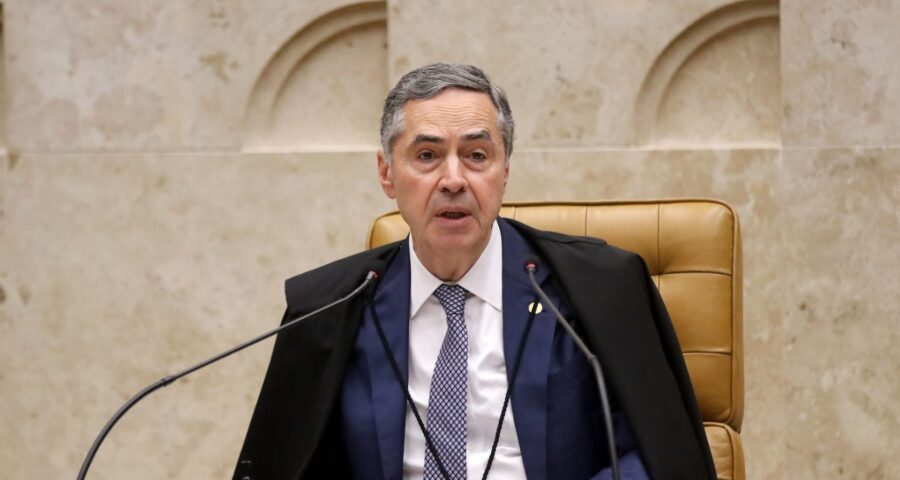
<point>495,185</point>
<point>414,194</point>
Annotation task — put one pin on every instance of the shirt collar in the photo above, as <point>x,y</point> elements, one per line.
<point>484,279</point>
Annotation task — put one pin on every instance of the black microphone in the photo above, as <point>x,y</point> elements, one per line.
<point>377,268</point>
<point>531,266</point>
<point>375,271</point>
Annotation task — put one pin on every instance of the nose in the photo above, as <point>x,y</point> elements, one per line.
<point>453,179</point>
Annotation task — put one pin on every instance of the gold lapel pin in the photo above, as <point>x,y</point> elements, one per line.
<point>531,307</point>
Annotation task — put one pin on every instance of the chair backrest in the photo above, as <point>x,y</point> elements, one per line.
<point>693,250</point>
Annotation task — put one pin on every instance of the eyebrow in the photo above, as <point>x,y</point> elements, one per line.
<point>479,135</point>
<point>423,138</point>
<point>426,138</point>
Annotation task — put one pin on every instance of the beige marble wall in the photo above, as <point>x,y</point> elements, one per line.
<point>170,163</point>
<point>121,268</point>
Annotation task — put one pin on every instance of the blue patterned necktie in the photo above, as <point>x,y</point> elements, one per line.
<point>447,400</point>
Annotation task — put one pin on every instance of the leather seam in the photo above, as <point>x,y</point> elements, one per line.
<point>696,271</point>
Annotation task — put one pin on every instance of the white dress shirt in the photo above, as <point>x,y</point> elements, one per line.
<point>486,387</point>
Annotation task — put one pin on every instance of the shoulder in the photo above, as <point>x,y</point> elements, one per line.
<point>577,252</point>
<point>532,233</point>
<point>325,283</point>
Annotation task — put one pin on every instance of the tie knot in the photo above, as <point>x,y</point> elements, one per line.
<point>452,298</point>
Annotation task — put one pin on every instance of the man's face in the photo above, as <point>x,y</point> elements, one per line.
<point>449,171</point>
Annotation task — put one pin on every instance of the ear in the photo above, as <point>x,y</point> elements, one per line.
<point>386,176</point>
<point>506,173</point>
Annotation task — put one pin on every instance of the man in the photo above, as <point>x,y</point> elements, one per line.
<point>450,324</point>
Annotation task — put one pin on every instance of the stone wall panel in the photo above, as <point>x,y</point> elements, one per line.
<point>139,233</point>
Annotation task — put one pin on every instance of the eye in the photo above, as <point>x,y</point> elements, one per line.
<point>426,155</point>
<point>478,155</point>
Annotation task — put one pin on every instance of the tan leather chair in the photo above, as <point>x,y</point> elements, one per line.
<point>693,250</point>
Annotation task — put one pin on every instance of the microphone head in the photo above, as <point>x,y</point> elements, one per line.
<point>377,268</point>
<point>531,263</point>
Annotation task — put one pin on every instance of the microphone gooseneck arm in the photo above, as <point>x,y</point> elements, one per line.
<point>531,267</point>
<point>165,381</point>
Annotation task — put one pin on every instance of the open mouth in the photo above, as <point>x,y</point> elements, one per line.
<point>452,215</point>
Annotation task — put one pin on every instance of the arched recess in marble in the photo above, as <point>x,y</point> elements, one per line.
<point>324,88</point>
<point>717,82</point>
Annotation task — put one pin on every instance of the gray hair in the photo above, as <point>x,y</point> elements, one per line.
<point>430,80</point>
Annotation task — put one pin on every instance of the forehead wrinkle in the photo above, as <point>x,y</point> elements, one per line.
<point>431,110</point>
<point>454,113</point>
<point>435,128</point>
<point>444,117</point>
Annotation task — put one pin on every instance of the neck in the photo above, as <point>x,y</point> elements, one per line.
<point>448,266</point>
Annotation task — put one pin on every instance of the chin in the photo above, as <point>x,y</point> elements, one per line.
<point>457,243</point>
<point>454,240</point>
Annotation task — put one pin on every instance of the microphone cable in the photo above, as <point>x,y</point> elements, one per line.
<point>429,443</point>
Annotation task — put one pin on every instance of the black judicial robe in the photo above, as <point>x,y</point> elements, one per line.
<point>295,430</point>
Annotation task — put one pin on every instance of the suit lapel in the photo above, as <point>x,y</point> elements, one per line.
<point>529,397</point>
<point>388,400</point>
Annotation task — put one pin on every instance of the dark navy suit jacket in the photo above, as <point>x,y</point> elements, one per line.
<point>298,430</point>
<point>554,400</point>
